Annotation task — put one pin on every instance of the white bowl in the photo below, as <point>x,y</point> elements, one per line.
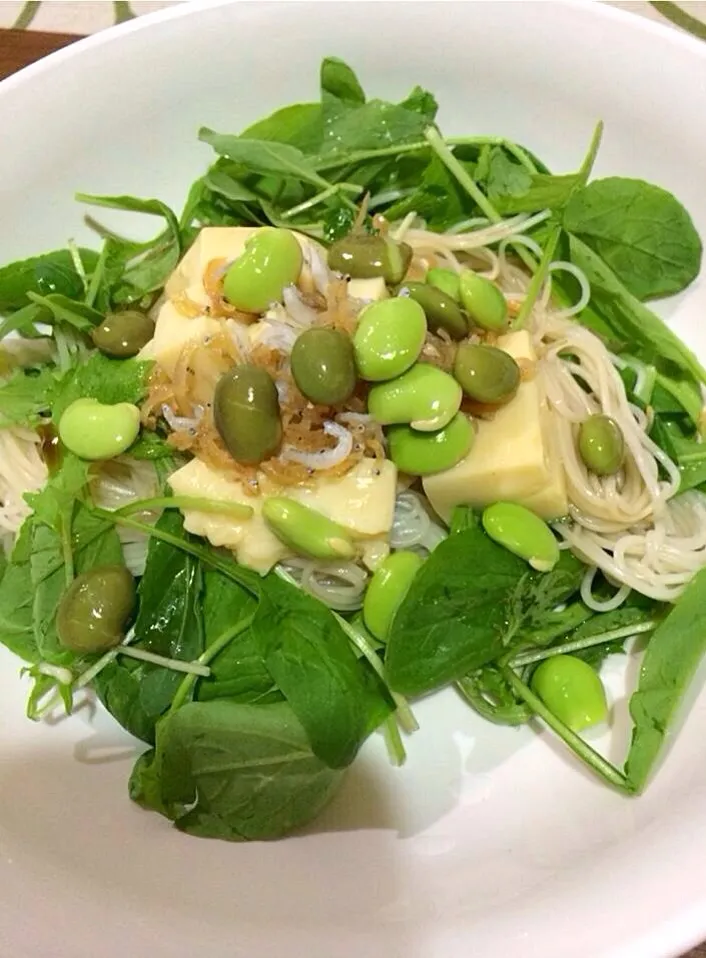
<point>490,842</point>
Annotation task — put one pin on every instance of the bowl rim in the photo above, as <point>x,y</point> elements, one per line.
<point>187,8</point>
<point>681,930</point>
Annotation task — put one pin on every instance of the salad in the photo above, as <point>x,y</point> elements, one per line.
<point>379,412</point>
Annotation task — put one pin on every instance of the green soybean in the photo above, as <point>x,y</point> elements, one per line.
<point>123,334</point>
<point>487,374</point>
<point>520,531</point>
<point>362,256</point>
<point>425,397</point>
<point>447,280</point>
<point>272,260</point>
<point>95,609</point>
<point>572,690</point>
<point>424,453</point>
<point>246,413</point>
<point>323,366</point>
<point>95,431</point>
<point>601,445</point>
<point>389,338</point>
<point>483,301</point>
<point>306,531</point>
<point>386,591</point>
<point>441,311</point>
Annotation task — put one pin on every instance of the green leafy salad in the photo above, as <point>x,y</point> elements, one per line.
<point>379,412</point>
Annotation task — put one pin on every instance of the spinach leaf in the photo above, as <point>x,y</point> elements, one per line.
<point>501,176</point>
<point>371,126</point>
<point>26,396</point>
<point>338,699</point>
<point>672,656</point>
<point>107,380</point>
<point>642,232</point>
<point>632,322</point>
<point>16,630</point>
<point>238,672</point>
<point>466,605</point>
<point>232,771</point>
<point>169,622</point>
<point>543,192</point>
<point>423,102</point>
<point>49,273</point>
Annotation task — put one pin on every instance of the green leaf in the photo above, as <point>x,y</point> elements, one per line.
<point>340,82</point>
<point>263,156</point>
<point>465,607</point>
<point>544,192</point>
<point>150,270</point>
<point>23,321</point>
<point>151,446</point>
<point>65,310</point>
<point>300,125</point>
<point>632,322</point>
<point>642,232</point>
<point>233,771</point>
<point>222,183</point>
<point>238,672</point>
<point>422,102</point>
<point>16,630</point>
<point>46,274</point>
<point>107,380</point>
<point>502,176</point>
<point>26,396</point>
<point>57,497</point>
<point>673,654</point>
<point>374,125</point>
<point>336,697</point>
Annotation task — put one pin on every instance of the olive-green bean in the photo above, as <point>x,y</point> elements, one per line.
<point>246,413</point>
<point>92,430</point>
<point>425,397</point>
<point>601,445</point>
<point>521,531</point>
<point>362,256</point>
<point>307,531</point>
<point>442,311</point>
<point>323,366</point>
<point>94,611</point>
<point>123,334</point>
<point>447,280</point>
<point>486,373</point>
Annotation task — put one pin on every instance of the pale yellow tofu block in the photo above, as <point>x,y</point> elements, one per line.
<point>367,289</point>
<point>510,459</point>
<point>363,501</point>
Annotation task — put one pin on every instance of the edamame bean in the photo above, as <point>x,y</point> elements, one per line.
<point>522,532</point>
<point>93,430</point>
<point>362,256</point>
<point>272,260</point>
<point>483,301</point>
<point>246,413</point>
<point>425,397</point>
<point>601,445</point>
<point>95,609</point>
<point>572,690</point>
<point>123,334</point>
<point>447,280</point>
<point>306,531</point>
<point>386,591</point>
<point>423,453</point>
<point>389,338</point>
<point>486,373</point>
<point>441,311</point>
<point>323,366</point>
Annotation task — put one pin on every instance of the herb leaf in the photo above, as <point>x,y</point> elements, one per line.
<point>49,273</point>
<point>263,156</point>
<point>107,380</point>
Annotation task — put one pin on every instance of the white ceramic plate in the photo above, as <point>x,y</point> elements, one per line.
<point>490,842</point>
